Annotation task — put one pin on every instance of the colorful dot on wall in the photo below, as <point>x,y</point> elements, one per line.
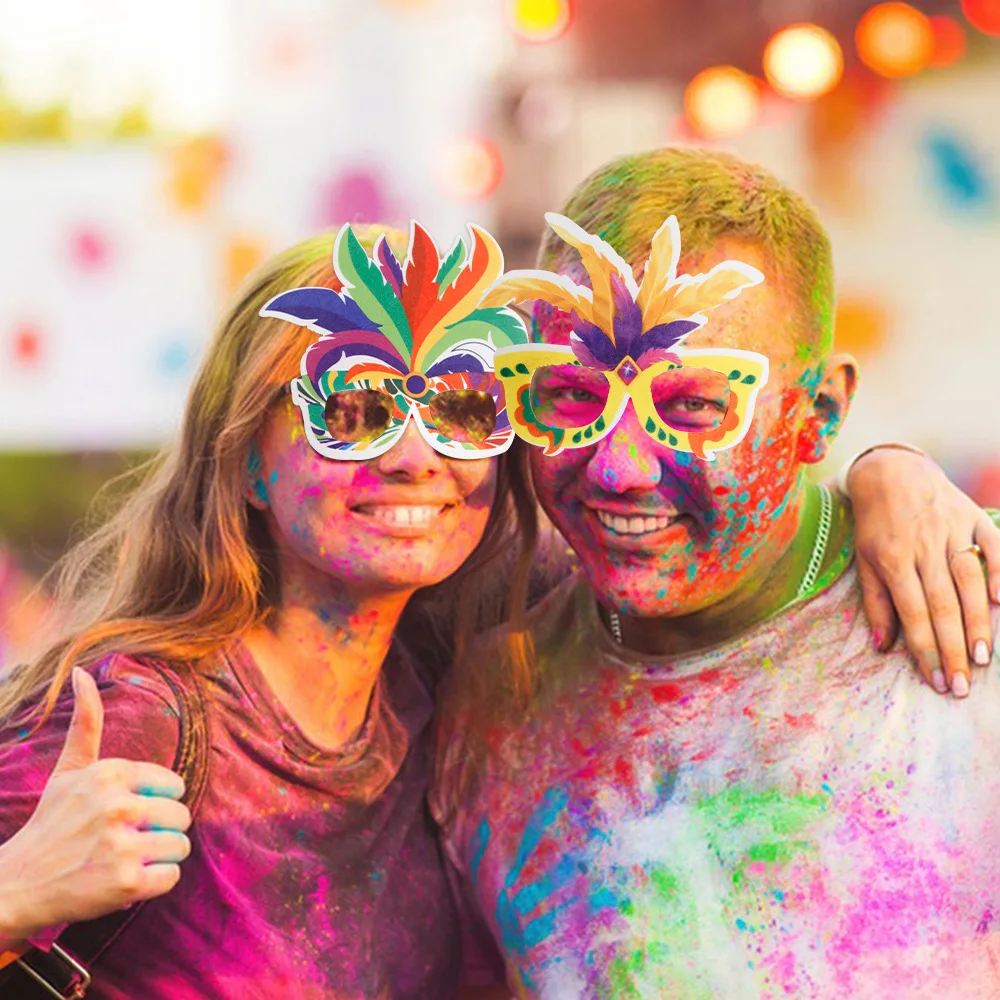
<point>174,357</point>
<point>194,171</point>
<point>861,325</point>
<point>285,52</point>
<point>471,169</point>
<point>960,173</point>
<point>89,248</point>
<point>984,484</point>
<point>354,196</point>
<point>26,344</point>
<point>983,15</point>
<point>242,254</point>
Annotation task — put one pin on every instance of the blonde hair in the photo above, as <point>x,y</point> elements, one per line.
<point>184,566</point>
<point>714,195</point>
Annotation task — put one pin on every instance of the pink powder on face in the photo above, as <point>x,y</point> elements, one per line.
<point>319,508</point>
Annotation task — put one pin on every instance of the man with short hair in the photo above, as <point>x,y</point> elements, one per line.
<point>720,787</point>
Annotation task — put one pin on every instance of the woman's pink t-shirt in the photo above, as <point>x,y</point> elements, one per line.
<point>313,874</point>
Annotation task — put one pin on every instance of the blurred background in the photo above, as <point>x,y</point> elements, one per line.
<point>151,155</point>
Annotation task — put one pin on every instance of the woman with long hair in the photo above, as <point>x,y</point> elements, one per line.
<point>244,607</point>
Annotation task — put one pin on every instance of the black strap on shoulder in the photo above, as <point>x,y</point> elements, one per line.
<point>68,969</point>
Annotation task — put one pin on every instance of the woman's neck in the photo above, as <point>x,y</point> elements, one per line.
<point>321,651</point>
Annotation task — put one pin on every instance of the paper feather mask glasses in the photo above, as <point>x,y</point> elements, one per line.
<point>404,342</point>
<point>626,344</point>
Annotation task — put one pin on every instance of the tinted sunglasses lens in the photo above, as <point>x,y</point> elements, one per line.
<point>693,400</point>
<point>568,396</point>
<point>464,414</point>
<point>357,414</point>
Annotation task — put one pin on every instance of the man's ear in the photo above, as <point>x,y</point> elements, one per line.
<point>830,407</point>
<point>254,487</point>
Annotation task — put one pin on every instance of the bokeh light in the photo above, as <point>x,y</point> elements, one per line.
<point>984,15</point>
<point>949,41</point>
<point>803,61</point>
<point>539,20</point>
<point>895,40</point>
<point>471,169</point>
<point>721,101</point>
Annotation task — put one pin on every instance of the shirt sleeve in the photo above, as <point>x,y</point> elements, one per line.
<point>141,722</point>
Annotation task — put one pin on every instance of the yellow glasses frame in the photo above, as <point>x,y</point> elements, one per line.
<point>746,372</point>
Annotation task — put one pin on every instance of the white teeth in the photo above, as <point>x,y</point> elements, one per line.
<point>634,525</point>
<point>403,515</point>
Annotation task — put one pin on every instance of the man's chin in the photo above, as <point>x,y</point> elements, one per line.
<point>629,594</point>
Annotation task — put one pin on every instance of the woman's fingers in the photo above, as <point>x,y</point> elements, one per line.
<point>879,608</point>
<point>967,573</point>
<point>946,622</point>
<point>908,595</point>
<point>155,813</point>
<point>157,880</point>
<point>145,778</point>
<point>160,847</point>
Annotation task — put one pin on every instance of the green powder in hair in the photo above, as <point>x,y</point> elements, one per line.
<point>714,195</point>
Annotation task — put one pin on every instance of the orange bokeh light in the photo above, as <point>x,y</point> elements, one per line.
<point>984,15</point>
<point>949,41</point>
<point>895,40</point>
<point>721,101</point>
<point>803,61</point>
<point>471,169</point>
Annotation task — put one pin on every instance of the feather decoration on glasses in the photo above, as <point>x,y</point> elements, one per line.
<point>411,329</point>
<point>616,317</point>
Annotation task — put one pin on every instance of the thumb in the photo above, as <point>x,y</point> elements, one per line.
<point>83,738</point>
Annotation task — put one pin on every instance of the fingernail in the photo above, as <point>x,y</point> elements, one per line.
<point>960,686</point>
<point>937,680</point>
<point>981,654</point>
<point>877,638</point>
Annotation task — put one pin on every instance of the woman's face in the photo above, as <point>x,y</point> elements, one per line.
<point>404,520</point>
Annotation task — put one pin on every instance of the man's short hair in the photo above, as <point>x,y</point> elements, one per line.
<point>713,195</point>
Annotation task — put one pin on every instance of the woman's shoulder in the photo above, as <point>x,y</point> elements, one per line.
<point>141,721</point>
<point>141,715</point>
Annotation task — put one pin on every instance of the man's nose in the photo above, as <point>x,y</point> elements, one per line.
<point>627,459</point>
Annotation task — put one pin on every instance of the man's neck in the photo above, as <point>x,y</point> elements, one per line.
<point>773,589</point>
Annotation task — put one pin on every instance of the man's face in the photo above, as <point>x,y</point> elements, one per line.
<point>663,533</point>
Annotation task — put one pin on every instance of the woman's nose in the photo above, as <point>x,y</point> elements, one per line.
<point>411,458</point>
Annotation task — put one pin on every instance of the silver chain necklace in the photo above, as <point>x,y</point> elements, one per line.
<point>808,578</point>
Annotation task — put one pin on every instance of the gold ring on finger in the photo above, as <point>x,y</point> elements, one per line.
<point>974,548</point>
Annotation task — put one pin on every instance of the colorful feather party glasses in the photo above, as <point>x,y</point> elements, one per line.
<point>625,345</point>
<point>404,342</point>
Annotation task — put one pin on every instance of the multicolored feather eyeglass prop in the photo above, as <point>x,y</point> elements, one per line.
<point>625,344</point>
<point>404,342</point>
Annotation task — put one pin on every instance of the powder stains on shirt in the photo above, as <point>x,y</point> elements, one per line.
<point>789,814</point>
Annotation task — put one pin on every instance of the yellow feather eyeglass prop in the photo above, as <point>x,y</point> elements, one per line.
<point>625,345</point>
